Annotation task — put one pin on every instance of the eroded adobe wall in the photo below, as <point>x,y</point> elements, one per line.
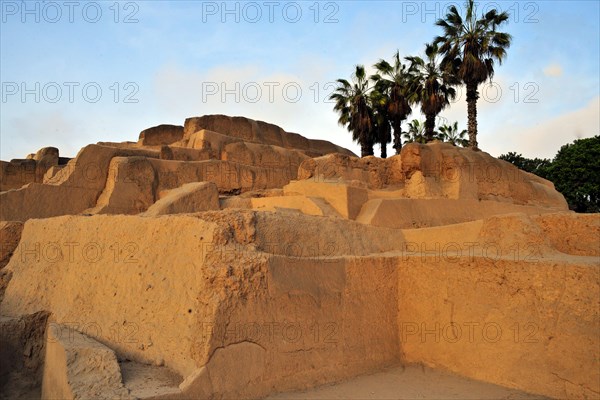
<point>161,135</point>
<point>516,324</point>
<point>438,170</point>
<point>16,173</point>
<point>200,293</point>
<point>321,316</point>
<point>78,367</point>
<point>260,132</point>
<point>127,281</point>
<point>73,189</point>
<point>22,348</point>
<point>498,300</point>
<point>319,320</point>
<point>426,213</point>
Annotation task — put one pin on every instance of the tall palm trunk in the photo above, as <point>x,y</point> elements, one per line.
<point>366,148</point>
<point>429,127</point>
<point>398,137</point>
<point>383,150</point>
<point>472,96</point>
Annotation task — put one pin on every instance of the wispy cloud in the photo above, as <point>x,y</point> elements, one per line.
<point>545,139</point>
<point>553,70</point>
<point>27,134</point>
<point>172,51</point>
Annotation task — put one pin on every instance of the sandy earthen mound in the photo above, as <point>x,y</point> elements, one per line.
<point>154,269</point>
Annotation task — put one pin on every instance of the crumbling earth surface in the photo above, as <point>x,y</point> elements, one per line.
<point>227,258</point>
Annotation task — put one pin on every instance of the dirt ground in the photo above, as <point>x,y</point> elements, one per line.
<point>410,382</point>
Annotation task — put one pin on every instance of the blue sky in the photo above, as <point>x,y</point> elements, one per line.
<point>82,72</point>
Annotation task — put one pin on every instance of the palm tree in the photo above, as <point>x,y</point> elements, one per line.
<point>395,81</point>
<point>450,134</point>
<point>352,103</point>
<point>469,47</point>
<point>381,122</point>
<point>416,132</point>
<point>432,87</point>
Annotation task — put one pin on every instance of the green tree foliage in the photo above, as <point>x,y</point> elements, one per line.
<point>574,172</point>
<point>470,46</point>
<point>382,128</point>
<point>432,87</point>
<point>450,134</point>
<point>416,132</point>
<point>353,104</point>
<point>394,81</point>
<point>536,166</point>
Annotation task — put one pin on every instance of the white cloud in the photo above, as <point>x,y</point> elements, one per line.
<point>546,138</point>
<point>297,104</point>
<point>24,135</point>
<point>553,70</point>
<point>178,93</point>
